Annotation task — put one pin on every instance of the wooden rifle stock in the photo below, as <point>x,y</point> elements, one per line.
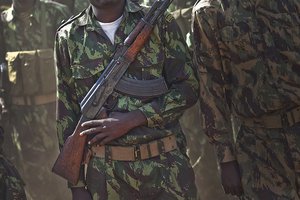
<point>69,161</point>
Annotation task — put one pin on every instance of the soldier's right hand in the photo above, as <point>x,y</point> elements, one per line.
<point>231,178</point>
<point>80,193</point>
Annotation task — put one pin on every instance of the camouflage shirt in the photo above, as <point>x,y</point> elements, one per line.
<point>249,62</point>
<point>24,31</point>
<point>83,51</point>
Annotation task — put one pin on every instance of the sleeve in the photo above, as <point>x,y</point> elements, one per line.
<point>68,109</point>
<point>180,77</point>
<point>214,86</point>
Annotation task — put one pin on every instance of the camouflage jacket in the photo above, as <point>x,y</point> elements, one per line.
<point>24,32</point>
<point>83,51</point>
<point>248,55</point>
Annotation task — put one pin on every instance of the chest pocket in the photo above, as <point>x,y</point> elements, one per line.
<point>150,60</point>
<point>242,39</point>
<point>31,72</point>
<point>85,74</point>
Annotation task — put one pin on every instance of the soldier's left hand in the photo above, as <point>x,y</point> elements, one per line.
<point>115,126</point>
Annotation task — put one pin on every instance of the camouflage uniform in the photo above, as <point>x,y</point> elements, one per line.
<point>11,184</point>
<point>4,4</point>
<point>248,54</point>
<point>75,6</point>
<point>29,40</point>
<point>167,176</point>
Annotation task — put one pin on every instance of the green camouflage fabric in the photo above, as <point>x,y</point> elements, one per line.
<point>183,17</point>
<point>75,6</point>
<point>11,184</point>
<point>247,53</point>
<point>167,177</point>
<point>33,128</point>
<point>165,55</point>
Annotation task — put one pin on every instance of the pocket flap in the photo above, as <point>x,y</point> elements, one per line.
<point>87,69</point>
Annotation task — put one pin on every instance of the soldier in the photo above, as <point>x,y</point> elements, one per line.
<point>29,28</point>
<point>134,121</point>
<point>75,6</point>
<point>248,55</point>
<point>4,4</point>
<point>11,184</point>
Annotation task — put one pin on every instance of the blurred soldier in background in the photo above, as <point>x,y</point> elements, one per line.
<point>27,42</point>
<point>4,4</point>
<point>248,56</point>
<point>75,6</point>
<point>11,184</point>
<point>200,151</point>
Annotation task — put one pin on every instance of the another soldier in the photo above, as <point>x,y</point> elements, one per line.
<point>248,55</point>
<point>4,4</point>
<point>135,121</point>
<point>29,28</point>
<point>75,6</point>
<point>11,184</point>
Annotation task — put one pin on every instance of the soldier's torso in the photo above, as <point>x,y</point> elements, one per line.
<point>89,57</point>
<point>261,53</point>
<point>29,40</point>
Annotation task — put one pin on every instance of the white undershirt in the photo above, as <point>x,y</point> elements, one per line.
<point>111,28</point>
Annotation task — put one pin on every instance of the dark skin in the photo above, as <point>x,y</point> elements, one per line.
<point>116,124</point>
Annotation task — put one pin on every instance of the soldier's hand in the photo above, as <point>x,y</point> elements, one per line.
<point>80,194</point>
<point>231,178</point>
<point>115,126</point>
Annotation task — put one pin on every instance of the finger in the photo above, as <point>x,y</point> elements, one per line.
<point>97,139</point>
<point>106,140</point>
<point>92,123</point>
<point>91,131</point>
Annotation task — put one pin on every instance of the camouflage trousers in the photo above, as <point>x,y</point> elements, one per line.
<point>11,184</point>
<point>34,136</point>
<point>165,177</point>
<point>270,162</point>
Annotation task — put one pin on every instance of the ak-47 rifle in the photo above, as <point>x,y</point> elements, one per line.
<point>69,161</point>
